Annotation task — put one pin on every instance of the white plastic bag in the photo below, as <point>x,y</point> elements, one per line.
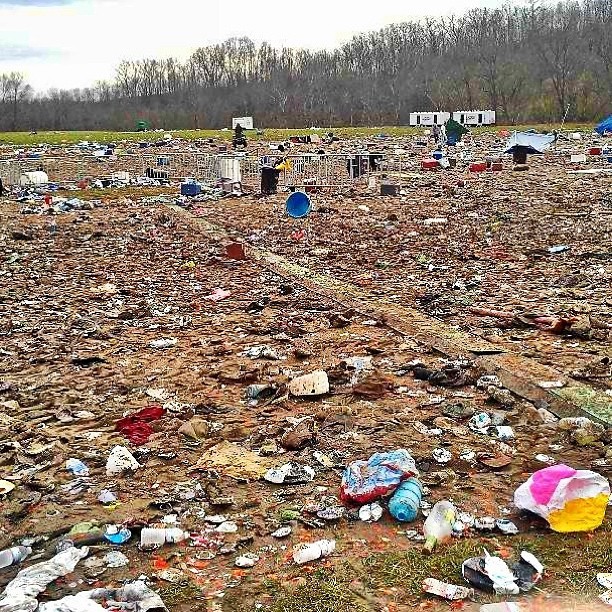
<point>120,460</point>
<point>20,594</point>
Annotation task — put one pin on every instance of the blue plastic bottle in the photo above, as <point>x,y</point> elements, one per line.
<point>406,501</point>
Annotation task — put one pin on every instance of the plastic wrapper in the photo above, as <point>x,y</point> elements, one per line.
<point>570,500</point>
<point>366,481</point>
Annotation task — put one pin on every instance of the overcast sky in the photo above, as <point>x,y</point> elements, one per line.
<point>73,43</point>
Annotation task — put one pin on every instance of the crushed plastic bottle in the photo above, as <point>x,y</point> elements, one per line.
<point>12,556</point>
<point>439,524</point>
<point>117,535</point>
<point>153,537</point>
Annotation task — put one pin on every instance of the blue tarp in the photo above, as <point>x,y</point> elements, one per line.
<point>529,142</point>
<point>604,126</point>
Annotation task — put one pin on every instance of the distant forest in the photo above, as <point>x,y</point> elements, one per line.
<point>528,62</point>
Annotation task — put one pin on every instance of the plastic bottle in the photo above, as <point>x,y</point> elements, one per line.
<point>439,524</point>
<point>406,501</point>
<point>304,553</point>
<point>154,536</point>
<point>17,554</point>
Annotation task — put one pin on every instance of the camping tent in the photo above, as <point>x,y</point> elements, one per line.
<point>529,142</point>
<point>605,126</point>
<point>454,131</point>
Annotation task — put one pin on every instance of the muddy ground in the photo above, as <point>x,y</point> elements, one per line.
<point>82,298</point>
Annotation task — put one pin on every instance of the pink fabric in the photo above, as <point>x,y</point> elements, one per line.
<point>544,482</point>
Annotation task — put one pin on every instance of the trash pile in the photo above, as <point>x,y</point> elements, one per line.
<point>216,417</point>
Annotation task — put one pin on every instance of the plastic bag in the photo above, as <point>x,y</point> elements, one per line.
<point>136,596</point>
<point>120,460</point>
<point>494,575</point>
<point>570,500</point>
<point>366,481</point>
<point>20,594</point>
<point>136,427</point>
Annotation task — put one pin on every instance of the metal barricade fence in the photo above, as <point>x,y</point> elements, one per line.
<point>398,169</point>
<point>10,171</point>
<point>206,169</point>
<point>331,171</point>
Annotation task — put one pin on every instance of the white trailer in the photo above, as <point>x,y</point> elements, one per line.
<point>475,118</point>
<point>429,118</point>
<point>245,122</point>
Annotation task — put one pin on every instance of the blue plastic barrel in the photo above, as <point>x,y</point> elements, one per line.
<point>406,501</point>
<point>298,205</point>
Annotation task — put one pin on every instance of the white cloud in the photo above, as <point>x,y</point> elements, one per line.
<point>75,44</point>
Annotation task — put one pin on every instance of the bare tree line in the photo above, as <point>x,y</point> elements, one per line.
<point>527,62</point>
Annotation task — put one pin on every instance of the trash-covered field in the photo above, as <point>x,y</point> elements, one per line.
<point>391,403</point>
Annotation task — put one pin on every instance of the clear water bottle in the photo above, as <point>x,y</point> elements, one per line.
<point>14,555</point>
<point>439,524</point>
<point>406,501</point>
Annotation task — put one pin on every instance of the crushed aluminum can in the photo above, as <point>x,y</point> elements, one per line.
<point>485,523</point>
<point>371,513</point>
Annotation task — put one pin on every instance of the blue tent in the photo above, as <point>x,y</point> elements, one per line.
<point>529,142</point>
<point>604,126</point>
